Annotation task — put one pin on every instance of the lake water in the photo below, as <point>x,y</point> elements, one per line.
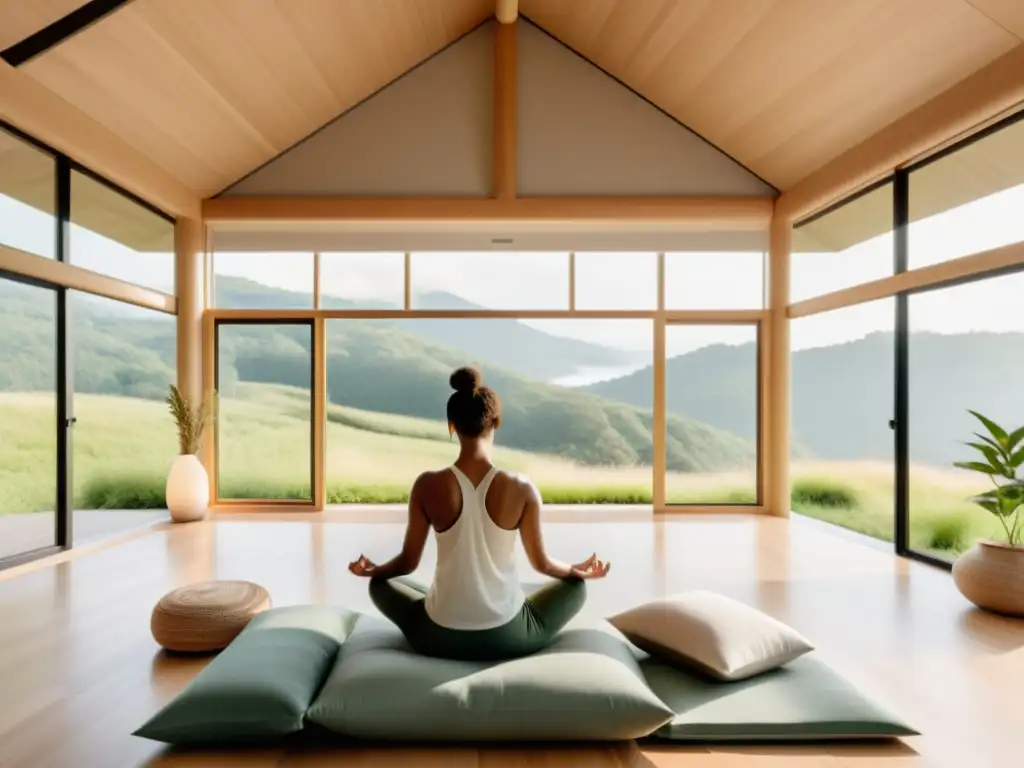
<point>585,375</point>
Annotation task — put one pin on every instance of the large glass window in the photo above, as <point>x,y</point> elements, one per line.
<point>27,197</point>
<point>711,395</point>
<point>387,385</point>
<point>714,280</point>
<point>965,346</point>
<point>263,280</point>
<point>362,280</point>
<point>843,448</point>
<point>850,245</point>
<point>116,236</point>
<point>969,200</point>
<point>28,418</point>
<point>124,439</point>
<point>616,280</point>
<point>490,280</point>
<point>265,410</point>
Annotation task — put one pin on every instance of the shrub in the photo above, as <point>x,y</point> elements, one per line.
<point>123,493</point>
<point>810,493</point>
<point>945,532</point>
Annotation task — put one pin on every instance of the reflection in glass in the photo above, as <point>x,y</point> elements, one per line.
<point>27,197</point>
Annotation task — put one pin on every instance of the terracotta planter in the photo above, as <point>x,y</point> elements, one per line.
<point>991,575</point>
<point>188,490</point>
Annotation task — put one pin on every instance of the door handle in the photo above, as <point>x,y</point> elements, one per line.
<point>892,423</point>
<point>70,422</point>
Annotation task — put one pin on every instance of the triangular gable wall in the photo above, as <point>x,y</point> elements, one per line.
<point>581,132</point>
<point>430,132</point>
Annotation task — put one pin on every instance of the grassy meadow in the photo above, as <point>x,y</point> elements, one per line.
<point>123,448</point>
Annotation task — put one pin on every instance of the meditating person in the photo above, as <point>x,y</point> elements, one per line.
<point>476,609</point>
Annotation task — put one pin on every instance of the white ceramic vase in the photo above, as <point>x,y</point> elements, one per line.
<point>188,489</point>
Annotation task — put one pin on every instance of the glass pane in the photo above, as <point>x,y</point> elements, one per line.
<point>848,246</point>
<point>27,197</point>
<point>968,201</point>
<point>124,440</point>
<point>711,399</point>
<point>616,281</point>
<point>965,344</point>
<point>265,413</point>
<point>387,387</point>
<point>490,280</point>
<point>28,418</point>
<point>362,280</point>
<point>842,400</point>
<point>263,280</point>
<point>113,235</point>
<point>704,280</point>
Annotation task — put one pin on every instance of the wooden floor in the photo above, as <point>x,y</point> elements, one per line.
<point>79,670</point>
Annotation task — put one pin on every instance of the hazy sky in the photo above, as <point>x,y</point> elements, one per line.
<point>618,280</point>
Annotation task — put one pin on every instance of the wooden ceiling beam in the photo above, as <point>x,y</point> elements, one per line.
<point>41,113</point>
<point>988,94</point>
<point>506,11</point>
<point>721,213</point>
<point>505,146</point>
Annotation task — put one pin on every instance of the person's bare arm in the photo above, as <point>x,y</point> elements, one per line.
<point>533,543</point>
<point>416,533</point>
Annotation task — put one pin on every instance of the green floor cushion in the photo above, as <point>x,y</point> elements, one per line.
<point>261,684</point>
<point>803,701</point>
<point>586,686</point>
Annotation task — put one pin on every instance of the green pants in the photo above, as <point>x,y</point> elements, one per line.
<point>543,614</point>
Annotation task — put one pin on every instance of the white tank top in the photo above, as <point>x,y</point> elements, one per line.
<point>475,584</point>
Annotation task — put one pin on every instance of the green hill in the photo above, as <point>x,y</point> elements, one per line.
<point>372,365</point>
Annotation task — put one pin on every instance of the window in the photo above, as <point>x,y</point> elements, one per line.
<point>123,439</point>
<point>263,280</point>
<point>265,410</point>
<point>969,200</point>
<point>116,236</point>
<point>965,349</point>
<point>714,280</point>
<point>362,280</point>
<point>28,418</point>
<point>711,399</point>
<point>490,280</point>
<point>27,197</point>
<point>842,400</point>
<point>580,439</point>
<point>616,281</point>
<point>850,245</point>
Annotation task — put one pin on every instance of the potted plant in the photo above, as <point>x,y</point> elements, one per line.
<point>188,485</point>
<point>991,574</point>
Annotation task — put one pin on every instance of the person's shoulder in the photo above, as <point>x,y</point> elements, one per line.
<point>431,478</point>
<point>521,485</point>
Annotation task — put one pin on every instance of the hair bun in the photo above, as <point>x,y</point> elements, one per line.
<point>466,380</point>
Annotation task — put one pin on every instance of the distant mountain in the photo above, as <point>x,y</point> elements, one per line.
<point>372,365</point>
<point>842,395</point>
<point>500,341</point>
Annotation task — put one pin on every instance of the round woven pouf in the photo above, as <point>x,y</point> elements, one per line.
<point>206,616</point>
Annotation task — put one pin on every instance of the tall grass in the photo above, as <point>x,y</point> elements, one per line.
<point>124,447</point>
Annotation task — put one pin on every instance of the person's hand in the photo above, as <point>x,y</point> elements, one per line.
<point>362,567</point>
<point>591,568</point>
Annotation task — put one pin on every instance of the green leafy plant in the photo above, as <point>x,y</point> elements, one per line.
<point>1003,454</point>
<point>190,419</point>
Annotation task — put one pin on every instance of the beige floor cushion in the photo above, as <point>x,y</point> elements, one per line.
<point>206,616</point>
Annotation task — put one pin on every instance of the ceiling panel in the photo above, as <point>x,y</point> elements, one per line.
<point>23,18</point>
<point>210,91</point>
<point>783,86</point>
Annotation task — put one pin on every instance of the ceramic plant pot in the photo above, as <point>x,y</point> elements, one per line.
<point>188,490</point>
<point>991,575</point>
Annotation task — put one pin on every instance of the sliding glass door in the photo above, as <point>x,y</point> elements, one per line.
<point>33,423</point>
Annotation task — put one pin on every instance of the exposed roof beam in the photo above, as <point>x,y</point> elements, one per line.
<point>989,93</point>
<point>39,112</point>
<point>506,11</point>
<point>59,31</point>
<point>704,213</point>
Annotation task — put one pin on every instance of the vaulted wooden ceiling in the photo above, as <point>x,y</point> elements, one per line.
<point>211,90</point>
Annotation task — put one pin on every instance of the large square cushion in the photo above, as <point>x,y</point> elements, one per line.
<point>586,686</point>
<point>260,686</point>
<point>806,700</point>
